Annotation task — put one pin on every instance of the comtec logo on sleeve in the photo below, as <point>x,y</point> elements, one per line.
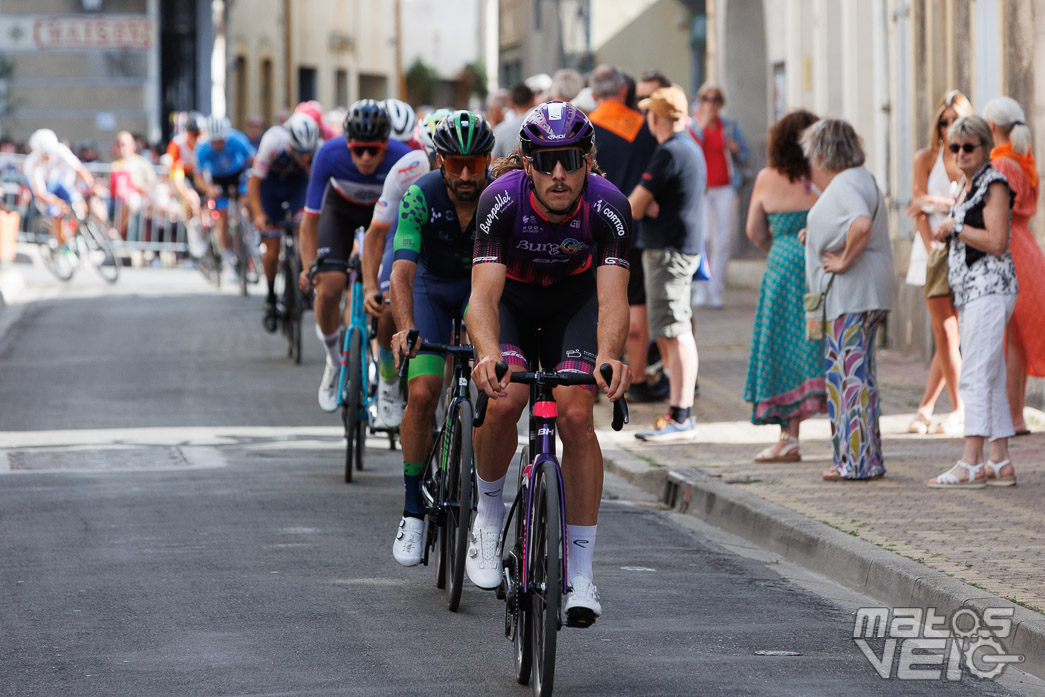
<point>933,647</point>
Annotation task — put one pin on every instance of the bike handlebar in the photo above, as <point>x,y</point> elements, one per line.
<point>553,379</point>
<point>411,339</point>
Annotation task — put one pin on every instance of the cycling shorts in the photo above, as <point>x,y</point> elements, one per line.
<point>274,194</point>
<point>637,279</point>
<point>61,191</point>
<point>437,301</point>
<point>555,325</point>
<point>226,182</point>
<point>338,221</point>
<point>384,277</point>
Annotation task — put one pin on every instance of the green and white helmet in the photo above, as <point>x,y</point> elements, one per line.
<point>463,133</point>
<point>427,130</point>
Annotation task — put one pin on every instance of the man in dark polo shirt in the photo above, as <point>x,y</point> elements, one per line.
<point>669,200</point>
<point>623,147</point>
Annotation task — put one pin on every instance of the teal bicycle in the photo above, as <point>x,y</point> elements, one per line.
<point>357,385</point>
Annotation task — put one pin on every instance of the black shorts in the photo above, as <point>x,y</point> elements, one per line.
<point>555,324</point>
<point>637,279</point>
<point>338,221</point>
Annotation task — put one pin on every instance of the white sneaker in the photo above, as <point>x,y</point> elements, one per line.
<point>407,546</point>
<point>483,563</point>
<point>328,388</point>
<point>582,603</point>
<point>390,403</point>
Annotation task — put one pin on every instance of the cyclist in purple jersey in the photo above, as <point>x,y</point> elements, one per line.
<point>549,283</point>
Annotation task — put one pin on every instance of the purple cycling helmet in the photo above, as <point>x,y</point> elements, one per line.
<point>555,125</point>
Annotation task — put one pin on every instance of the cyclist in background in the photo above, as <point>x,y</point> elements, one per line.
<point>346,181</point>
<point>280,175</point>
<point>549,283</point>
<point>51,171</point>
<point>221,162</point>
<point>182,151</point>
<point>431,280</point>
<point>378,250</point>
<point>404,122</point>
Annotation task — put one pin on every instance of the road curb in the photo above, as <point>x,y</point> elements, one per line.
<point>857,564</point>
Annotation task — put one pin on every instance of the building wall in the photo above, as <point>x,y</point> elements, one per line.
<point>644,34</point>
<point>87,75</point>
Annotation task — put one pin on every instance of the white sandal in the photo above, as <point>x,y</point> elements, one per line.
<point>994,477</point>
<point>950,480</point>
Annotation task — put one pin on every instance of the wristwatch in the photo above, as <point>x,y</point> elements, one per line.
<point>957,230</point>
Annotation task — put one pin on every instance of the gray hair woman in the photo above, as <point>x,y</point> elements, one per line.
<point>847,245</point>
<point>983,280</point>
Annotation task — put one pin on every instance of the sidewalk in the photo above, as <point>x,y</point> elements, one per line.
<point>893,539</point>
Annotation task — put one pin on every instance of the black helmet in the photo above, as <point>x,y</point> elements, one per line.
<point>367,120</point>
<point>194,122</point>
<point>463,133</point>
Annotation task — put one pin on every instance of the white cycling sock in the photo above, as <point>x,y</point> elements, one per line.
<point>490,502</point>
<point>332,343</point>
<point>582,550</point>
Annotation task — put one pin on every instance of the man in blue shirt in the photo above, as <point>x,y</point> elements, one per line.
<point>220,165</point>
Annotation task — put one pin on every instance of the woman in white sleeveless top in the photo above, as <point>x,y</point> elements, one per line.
<point>934,171</point>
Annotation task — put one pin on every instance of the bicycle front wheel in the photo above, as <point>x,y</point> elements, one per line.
<point>545,586</point>
<point>58,260</point>
<point>297,311</point>
<point>239,244</point>
<point>353,403</point>
<point>99,251</point>
<point>458,503</point>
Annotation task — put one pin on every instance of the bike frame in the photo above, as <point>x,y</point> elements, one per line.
<point>357,320</point>
<point>456,393</point>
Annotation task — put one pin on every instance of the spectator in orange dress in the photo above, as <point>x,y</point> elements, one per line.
<point>1025,335</point>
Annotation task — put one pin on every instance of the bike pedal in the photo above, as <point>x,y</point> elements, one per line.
<point>580,618</point>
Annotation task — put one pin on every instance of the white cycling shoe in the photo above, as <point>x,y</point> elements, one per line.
<point>390,404</point>
<point>582,603</point>
<point>483,561</point>
<point>328,388</point>
<point>407,547</point>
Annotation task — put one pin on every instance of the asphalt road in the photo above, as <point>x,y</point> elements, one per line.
<point>173,521</point>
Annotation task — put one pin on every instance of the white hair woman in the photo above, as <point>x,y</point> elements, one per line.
<point>1025,335</point>
<point>847,246</point>
<point>983,280</point>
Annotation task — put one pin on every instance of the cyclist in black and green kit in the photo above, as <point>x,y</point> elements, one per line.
<point>431,281</point>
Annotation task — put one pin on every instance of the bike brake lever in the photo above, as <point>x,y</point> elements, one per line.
<point>404,360</point>
<point>480,403</point>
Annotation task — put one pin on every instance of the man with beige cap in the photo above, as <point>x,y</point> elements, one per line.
<point>670,201</point>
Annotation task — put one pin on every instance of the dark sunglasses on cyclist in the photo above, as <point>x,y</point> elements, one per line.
<point>544,161</point>
<point>371,149</point>
<point>455,165</point>
<point>967,147</point>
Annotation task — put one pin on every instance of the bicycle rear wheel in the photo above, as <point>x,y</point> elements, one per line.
<point>350,412</point>
<point>239,243</point>
<point>298,311</point>
<point>459,503</point>
<point>545,586</point>
<point>55,259</point>
<point>99,251</point>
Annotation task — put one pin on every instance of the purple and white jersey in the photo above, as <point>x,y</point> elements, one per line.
<point>512,232</point>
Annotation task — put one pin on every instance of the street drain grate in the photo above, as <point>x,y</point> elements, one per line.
<point>111,459</point>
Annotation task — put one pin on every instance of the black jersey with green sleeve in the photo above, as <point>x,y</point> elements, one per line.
<point>428,232</point>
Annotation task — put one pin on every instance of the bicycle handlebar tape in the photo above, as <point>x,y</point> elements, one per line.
<point>480,403</point>
<point>404,361</point>
<point>620,407</point>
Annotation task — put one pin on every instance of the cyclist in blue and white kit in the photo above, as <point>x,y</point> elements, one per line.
<point>280,175</point>
<point>221,162</point>
<point>346,181</point>
<point>376,281</point>
<point>51,170</point>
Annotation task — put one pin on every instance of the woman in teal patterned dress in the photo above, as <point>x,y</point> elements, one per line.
<point>785,378</point>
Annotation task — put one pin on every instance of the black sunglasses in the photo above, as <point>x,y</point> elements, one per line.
<point>544,161</point>
<point>967,147</point>
<point>944,123</point>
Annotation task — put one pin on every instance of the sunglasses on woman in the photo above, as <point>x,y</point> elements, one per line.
<point>371,149</point>
<point>967,147</point>
<point>544,161</point>
<point>456,164</point>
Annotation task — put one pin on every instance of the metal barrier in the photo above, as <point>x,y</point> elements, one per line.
<point>151,220</point>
